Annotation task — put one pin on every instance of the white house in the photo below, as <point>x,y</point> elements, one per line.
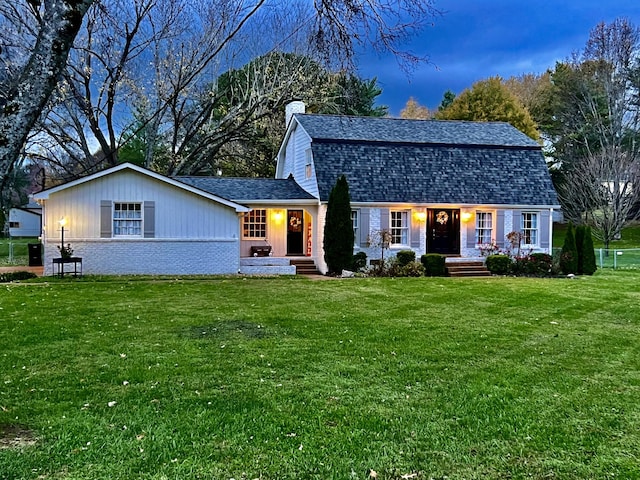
<point>437,186</point>
<point>25,221</point>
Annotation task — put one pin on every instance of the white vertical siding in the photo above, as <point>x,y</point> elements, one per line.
<point>295,161</point>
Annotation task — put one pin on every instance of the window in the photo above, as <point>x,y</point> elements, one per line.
<point>14,224</point>
<point>307,167</point>
<point>399,228</point>
<point>484,228</point>
<point>529,228</point>
<point>255,224</point>
<point>355,223</point>
<point>127,219</point>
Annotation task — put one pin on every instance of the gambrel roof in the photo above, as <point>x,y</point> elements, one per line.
<point>428,161</point>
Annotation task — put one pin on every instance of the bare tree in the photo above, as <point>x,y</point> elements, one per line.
<point>38,65</point>
<point>122,34</point>
<point>603,192</point>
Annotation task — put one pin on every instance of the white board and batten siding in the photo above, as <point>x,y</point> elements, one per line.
<point>184,233</point>
<point>297,156</point>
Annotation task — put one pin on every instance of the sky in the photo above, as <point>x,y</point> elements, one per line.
<point>476,39</point>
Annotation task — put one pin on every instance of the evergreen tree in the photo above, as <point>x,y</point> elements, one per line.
<point>338,229</point>
<point>580,230</point>
<point>588,254</point>
<point>569,253</point>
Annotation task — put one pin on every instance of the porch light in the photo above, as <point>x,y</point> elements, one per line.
<point>466,216</point>
<point>277,216</point>
<point>62,222</point>
<point>421,216</point>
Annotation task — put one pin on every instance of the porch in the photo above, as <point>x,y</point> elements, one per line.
<point>269,265</point>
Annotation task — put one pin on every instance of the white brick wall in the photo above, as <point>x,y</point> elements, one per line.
<point>152,257</point>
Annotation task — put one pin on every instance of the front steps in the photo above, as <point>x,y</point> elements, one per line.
<point>467,268</point>
<point>266,266</point>
<point>305,266</point>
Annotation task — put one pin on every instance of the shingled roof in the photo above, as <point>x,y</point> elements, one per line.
<point>428,161</point>
<point>249,189</point>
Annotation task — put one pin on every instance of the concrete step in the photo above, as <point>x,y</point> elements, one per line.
<point>305,267</point>
<point>467,269</point>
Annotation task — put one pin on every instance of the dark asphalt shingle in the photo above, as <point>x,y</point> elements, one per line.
<point>248,189</point>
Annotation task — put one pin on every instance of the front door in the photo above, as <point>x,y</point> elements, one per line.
<point>443,231</point>
<point>295,232</point>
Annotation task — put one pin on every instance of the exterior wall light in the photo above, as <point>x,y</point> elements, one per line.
<point>466,216</point>
<point>277,216</point>
<point>421,216</point>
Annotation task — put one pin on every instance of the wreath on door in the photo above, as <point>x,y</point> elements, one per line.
<point>442,218</point>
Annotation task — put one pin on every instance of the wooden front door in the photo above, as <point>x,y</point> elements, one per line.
<point>295,232</point>
<point>443,231</point>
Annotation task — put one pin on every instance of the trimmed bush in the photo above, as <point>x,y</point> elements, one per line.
<point>405,257</point>
<point>359,262</point>
<point>540,265</point>
<point>499,264</point>
<point>588,254</point>
<point>434,265</point>
<point>338,229</point>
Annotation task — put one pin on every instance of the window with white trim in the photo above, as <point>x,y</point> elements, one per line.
<point>355,224</point>
<point>307,166</point>
<point>529,228</point>
<point>399,227</point>
<point>254,224</point>
<point>484,228</point>
<point>127,219</point>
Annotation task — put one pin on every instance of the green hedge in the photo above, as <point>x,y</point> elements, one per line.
<point>499,264</point>
<point>434,265</point>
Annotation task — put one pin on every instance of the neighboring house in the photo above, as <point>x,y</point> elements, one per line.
<point>436,186</point>
<point>25,221</point>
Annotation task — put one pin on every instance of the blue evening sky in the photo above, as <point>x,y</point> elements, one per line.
<point>477,39</point>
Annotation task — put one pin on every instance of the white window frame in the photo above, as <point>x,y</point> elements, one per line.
<point>530,229</point>
<point>308,171</point>
<point>399,227</point>
<point>355,224</point>
<point>128,221</point>
<point>254,224</point>
<point>484,227</point>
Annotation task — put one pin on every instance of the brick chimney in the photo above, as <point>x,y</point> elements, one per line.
<point>295,106</point>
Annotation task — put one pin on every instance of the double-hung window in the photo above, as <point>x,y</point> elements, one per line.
<point>484,228</point>
<point>127,219</point>
<point>399,227</point>
<point>529,228</point>
<point>255,224</point>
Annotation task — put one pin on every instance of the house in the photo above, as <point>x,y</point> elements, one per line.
<point>436,186</point>
<point>25,221</point>
<point>129,220</point>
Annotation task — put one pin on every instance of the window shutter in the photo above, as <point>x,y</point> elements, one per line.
<point>500,228</point>
<point>364,227</point>
<point>384,219</point>
<point>415,231</point>
<point>517,221</point>
<point>471,232</point>
<point>544,229</point>
<point>106,219</point>
<point>149,219</point>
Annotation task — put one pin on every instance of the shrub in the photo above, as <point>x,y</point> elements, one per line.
<point>499,264</point>
<point>338,229</point>
<point>588,255</point>
<point>434,265</point>
<point>359,262</point>
<point>412,269</point>
<point>540,265</point>
<point>405,257</point>
<point>16,276</point>
<point>569,253</point>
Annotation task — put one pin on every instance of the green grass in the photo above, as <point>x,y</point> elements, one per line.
<point>288,378</point>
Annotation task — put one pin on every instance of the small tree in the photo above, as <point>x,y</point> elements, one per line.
<point>579,233</point>
<point>338,229</point>
<point>569,253</point>
<point>587,253</point>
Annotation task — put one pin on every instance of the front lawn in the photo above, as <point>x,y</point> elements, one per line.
<point>289,378</point>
